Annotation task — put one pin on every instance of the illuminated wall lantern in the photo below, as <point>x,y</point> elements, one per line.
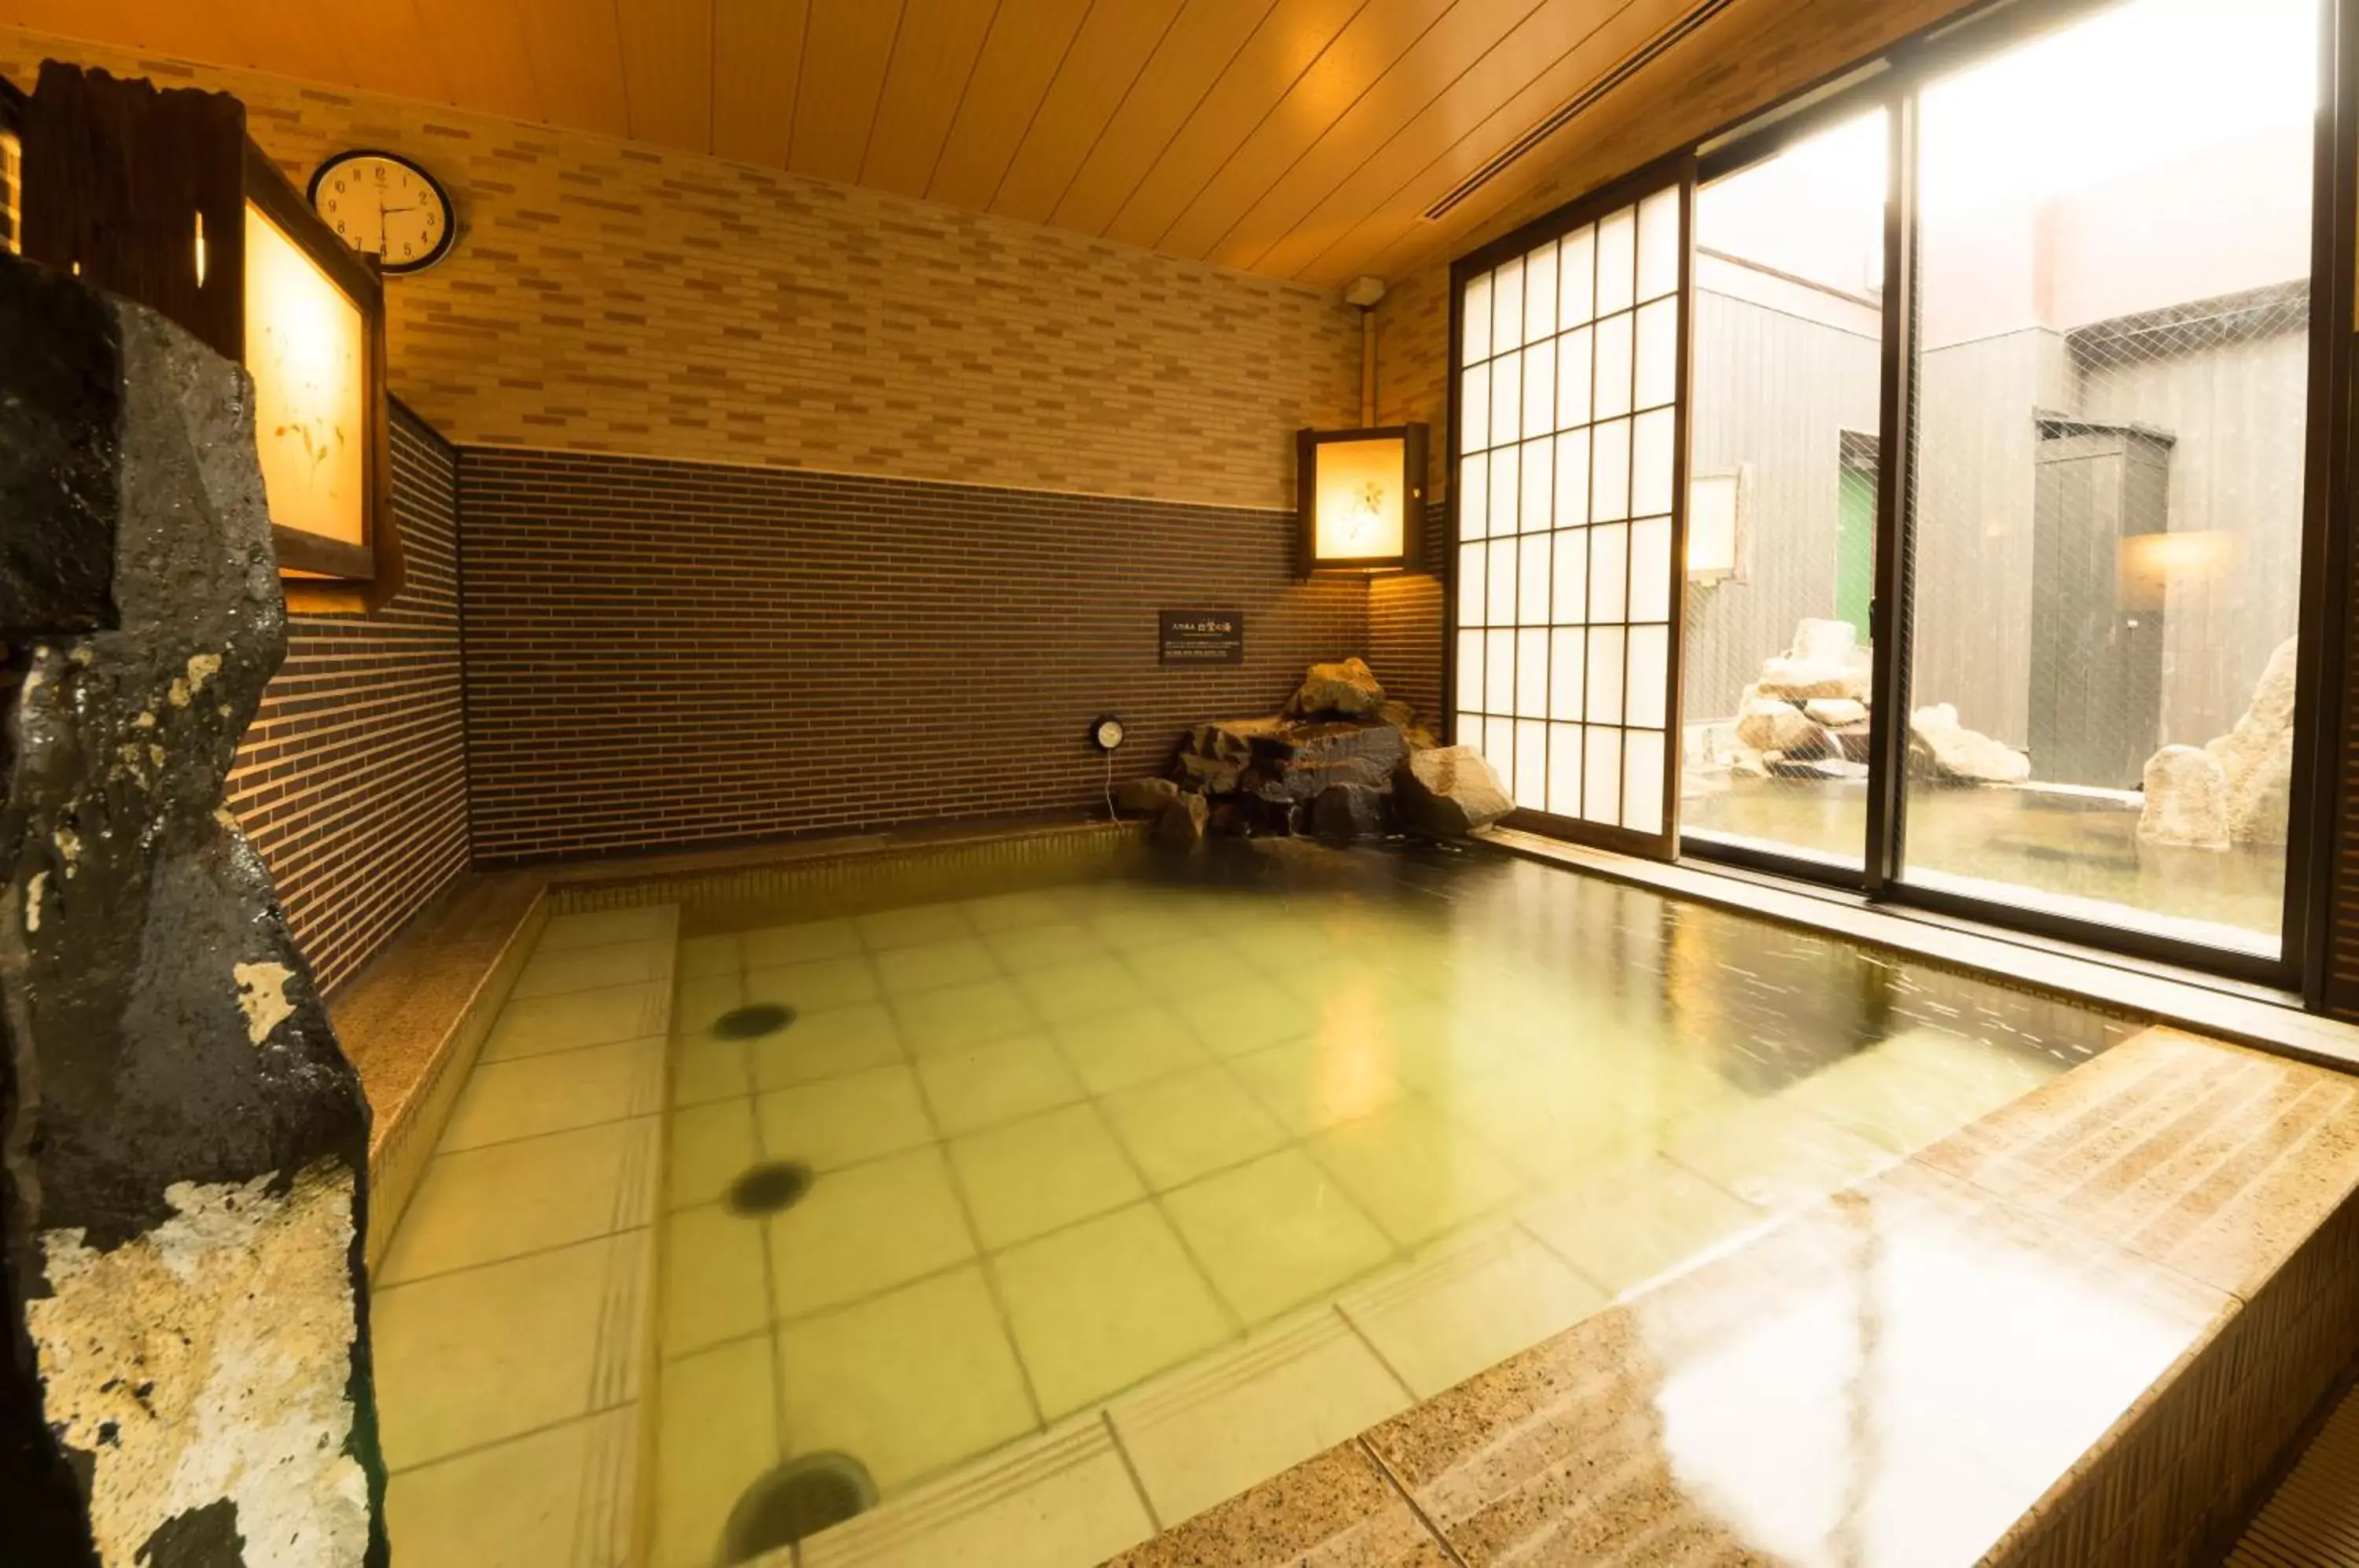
<point>1716,507</point>
<point>162,198</point>
<point>1360,495</point>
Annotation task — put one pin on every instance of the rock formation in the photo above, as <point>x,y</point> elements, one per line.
<point>1347,690</point>
<point>1449,791</point>
<point>1806,713</point>
<point>2243,797</point>
<point>1944,751</point>
<point>185,1146</point>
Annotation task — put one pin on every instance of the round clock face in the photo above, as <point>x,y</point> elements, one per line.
<point>385,205</point>
<point>1109,733</point>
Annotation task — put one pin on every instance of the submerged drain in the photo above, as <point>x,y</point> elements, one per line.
<point>752,1023</point>
<point>795,1501</point>
<point>767,1189</point>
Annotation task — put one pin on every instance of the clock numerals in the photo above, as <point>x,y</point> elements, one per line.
<point>381,204</point>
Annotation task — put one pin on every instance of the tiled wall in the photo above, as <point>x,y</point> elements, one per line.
<point>668,653</point>
<point>613,298</point>
<point>352,780</point>
<point>1405,626</point>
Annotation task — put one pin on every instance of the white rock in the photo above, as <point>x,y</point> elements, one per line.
<point>2186,798</point>
<point>2256,757</point>
<point>1836,712</point>
<point>1956,755</point>
<point>1766,723</point>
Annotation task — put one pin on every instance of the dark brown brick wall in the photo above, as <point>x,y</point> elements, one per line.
<point>664,653</point>
<point>1405,626</point>
<point>351,782</point>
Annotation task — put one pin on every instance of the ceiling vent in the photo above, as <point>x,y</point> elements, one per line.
<point>1564,115</point>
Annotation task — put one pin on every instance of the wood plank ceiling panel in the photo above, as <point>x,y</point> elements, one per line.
<point>931,63</point>
<point>1362,53</point>
<point>1027,44</point>
<point>668,70</point>
<point>1113,47</point>
<point>290,40</point>
<point>577,62</point>
<point>1336,205</point>
<point>846,47</point>
<point>479,48</point>
<point>386,51</point>
<point>1397,235</point>
<point>1205,37</point>
<point>161,26</point>
<point>1288,43</point>
<point>757,51</point>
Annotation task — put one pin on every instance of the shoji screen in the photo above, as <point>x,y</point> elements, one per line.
<point>1567,580</point>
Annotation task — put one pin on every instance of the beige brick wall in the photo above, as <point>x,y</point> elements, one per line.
<point>607,297</point>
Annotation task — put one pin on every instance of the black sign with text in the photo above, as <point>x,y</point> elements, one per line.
<point>1201,637</point>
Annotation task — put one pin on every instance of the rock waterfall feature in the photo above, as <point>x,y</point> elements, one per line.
<point>183,1170</point>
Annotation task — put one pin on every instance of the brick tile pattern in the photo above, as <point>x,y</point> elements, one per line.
<point>351,782</point>
<point>608,297</point>
<point>663,654</point>
<point>1405,626</point>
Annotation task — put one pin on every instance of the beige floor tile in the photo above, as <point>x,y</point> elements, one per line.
<point>908,1382</point>
<point>814,987</point>
<point>971,1014</point>
<point>535,1026</point>
<point>1062,1500</point>
<point>704,956</point>
<point>913,927</point>
<point>1275,1234</point>
<point>558,1498</point>
<point>716,1434</point>
<point>1015,911</point>
<point>1556,1126</point>
<point>536,1095</point>
<point>1236,1418</point>
<point>1416,1173</point>
<point>1079,989</point>
<point>550,974</point>
<point>1918,1087</point>
<point>1130,1045</point>
<point>863,1230</point>
<point>597,928</point>
<point>712,1145</point>
<point>486,1353</point>
<point>934,964</point>
<point>715,1286</point>
<point>1024,1178</point>
<point>1096,1307</point>
<point>1624,1228</point>
<point>708,1069</point>
<point>702,1000</point>
<point>1774,1153</point>
<point>1244,1015</point>
<point>480,1205</point>
<point>837,1121</point>
<point>1049,945</point>
<point>1310,1085</point>
<point>1186,1126</point>
<point>798,943</point>
<point>1145,921</point>
<point>1189,967</point>
<point>825,1045</point>
<point>983,1085</point>
<point>1473,1302</point>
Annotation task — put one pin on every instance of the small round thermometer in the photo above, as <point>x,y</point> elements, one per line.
<point>1108,732</point>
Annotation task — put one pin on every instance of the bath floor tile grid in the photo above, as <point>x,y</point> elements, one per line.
<point>1146,1194</point>
<point>509,1314</point>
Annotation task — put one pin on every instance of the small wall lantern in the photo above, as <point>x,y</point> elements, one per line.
<point>161,197</point>
<point>1361,498</point>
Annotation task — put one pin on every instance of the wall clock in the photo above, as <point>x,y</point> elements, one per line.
<point>384,204</point>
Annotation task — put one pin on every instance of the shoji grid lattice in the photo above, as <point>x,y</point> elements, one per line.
<point>1567,439</point>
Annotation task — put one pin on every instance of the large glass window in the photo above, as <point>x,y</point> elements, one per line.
<point>1567,420</point>
<point>2112,379</point>
<point>1788,285</point>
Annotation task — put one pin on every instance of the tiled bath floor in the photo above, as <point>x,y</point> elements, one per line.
<point>1124,1196</point>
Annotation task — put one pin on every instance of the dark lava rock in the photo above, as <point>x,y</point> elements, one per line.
<point>1181,824</point>
<point>185,1147</point>
<point>1342,812</point>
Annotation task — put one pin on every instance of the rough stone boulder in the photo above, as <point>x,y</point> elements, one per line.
<point>1144,797</point>
<point>1342,812</point>
<point>1824,662</point>
<point>1836,712</point>
<point>2186,799</point>
<point>2256,756</point>
<point>1181,824</point>
<point>1448,792</point>
<point>1941,749</point>
<point>1348,689</point>
<point>1304,759</point>
<point>1214,755</point>
<point>1771,723</point>
<point>185,1147</point>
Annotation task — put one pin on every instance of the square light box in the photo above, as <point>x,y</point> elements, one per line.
<point>1360,495</point>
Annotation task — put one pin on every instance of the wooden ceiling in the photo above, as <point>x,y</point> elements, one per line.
<point>1302,139</point>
